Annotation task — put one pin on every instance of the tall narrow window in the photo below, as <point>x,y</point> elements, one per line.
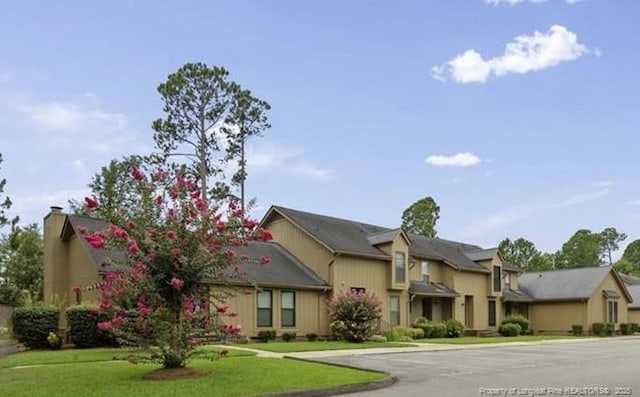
<point>492,313</point>
<point>394,310</point>
<point>400,265</point>
<point>612,311</point>
<point>615,312</point>
<point>497,279</point>
<point>264,309</point>
<point>507,281</point>
<point>425,271</point>
<point>288,308</point>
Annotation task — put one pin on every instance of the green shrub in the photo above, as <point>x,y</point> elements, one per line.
<point>419,321</point>
<point>625,329</point>
<point>83,329</point>
<point>357,314</point>
<point>609,329</point>
<point>577,330</point>
<point>32,325</point>
<point>393,335</point>
<point>242,340</point>
<point>404,338</point>
<point>434,330</point>
<point>289,336</point>
<point>635,327</point>
<point>413,333</point>
<point>378,338</point>
<point>598,329</point>
<point>520,320</point>
<point>267,335</point>
<point>455,328</point>
<point>311,337</point>
<point>510,329</point>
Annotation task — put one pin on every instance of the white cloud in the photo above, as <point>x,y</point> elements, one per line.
<point>602,184</point>
<point>465,159</point>
<point>515,2</point>
<point>285,160</point>
<point>578,199</point>
<point>512,215</point>
<point>523,55</point>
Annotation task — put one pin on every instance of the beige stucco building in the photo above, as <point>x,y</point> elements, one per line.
<point>314,256</point>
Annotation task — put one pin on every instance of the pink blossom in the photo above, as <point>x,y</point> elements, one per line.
<point>96,241</point>
<point>82,230</point>
<point>133,247</point>
<point>231,254</point>
<point>104,325</point>
<point>136,173</point>
<point>171,235</point>
<point>111,277</point>
<point>118,321</point>
<point>174,194</point>
<point>250,224</point>
<point>90,202</point>
<point>145,311</point>
<point>222,309</point>
<point>264,260</point>
<point>159,200</point>
<point>77,289</point>
<point>177,283</point>
<point>266,235</point>
<point>132,225</point>
<point>176,251</point>
<point>195,194</point>
<point>160,175</point>
<point>221,226</point>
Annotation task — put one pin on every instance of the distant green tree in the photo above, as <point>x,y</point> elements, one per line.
<point>632,253</point>
<point>523,254</point>
<point>421,217</point>
<point>114,190</point>
<point>5,205</point>
<point>198,101</point>
<point>610,240</point>
<point>627,267</point>
<point>21,263</point>
<point>584,248</point>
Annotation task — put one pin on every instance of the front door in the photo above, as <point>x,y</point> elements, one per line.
<point>427,308</point>
<point>468,311</point>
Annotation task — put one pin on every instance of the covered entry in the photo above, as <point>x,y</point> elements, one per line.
<point>515,303</point>
<point>434,301</point>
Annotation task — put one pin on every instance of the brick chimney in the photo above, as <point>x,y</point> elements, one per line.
<point>55,256</point>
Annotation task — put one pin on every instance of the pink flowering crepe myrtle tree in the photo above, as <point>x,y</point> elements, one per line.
<point>177,269</point>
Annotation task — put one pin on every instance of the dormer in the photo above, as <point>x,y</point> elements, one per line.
<point>394,243</point>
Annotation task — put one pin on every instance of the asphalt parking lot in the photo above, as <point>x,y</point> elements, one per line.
<point>604,367</point>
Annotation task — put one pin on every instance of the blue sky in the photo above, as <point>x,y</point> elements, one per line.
<point>519,117</point>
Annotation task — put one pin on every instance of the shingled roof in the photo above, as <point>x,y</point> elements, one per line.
<point>358,238</point>
<point>634,291</point>
<point>570,284</point>
<point>283,269</point>
<point>629,279</point>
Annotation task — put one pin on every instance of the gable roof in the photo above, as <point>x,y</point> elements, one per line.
<point>509,295</point>
<point>422,288</point>
<point>482,254</point>
<point>569,284</point>
<point>629,279</point>
<point>358,238</point>
<point>99,257</point>
<point>283,269</point>
<point>634,291</point>
<point>338,235</point>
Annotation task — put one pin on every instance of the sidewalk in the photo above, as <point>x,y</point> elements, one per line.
<point>421,347</point>
<point>8,347</point>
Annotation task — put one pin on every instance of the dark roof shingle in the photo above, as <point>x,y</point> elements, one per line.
<point>567,284</point>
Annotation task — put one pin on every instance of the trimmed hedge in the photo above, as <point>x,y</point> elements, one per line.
<point>32,325</point>
<point>609,329</point>
<point>626,329</point>
<point>635,327</point>
<point>435,330</point>
<point>598,329</point>
<point>289,336</point>
<point>521,321</point>
<point>577,330</point>
<point>267,335</point>
<point>510,329</point>
<point>312,337</point>
<point>455,328</point>
<point>83,327</point>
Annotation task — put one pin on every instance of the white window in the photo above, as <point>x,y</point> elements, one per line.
<point>394,309</point>
<point>425,271</point>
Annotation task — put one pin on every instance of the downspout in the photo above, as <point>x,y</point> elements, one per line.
<point>330,265</point>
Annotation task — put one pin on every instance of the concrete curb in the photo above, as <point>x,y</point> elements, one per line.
<point>337,390</point>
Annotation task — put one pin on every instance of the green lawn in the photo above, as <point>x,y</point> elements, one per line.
<point>290,347</point>
<point>71,356</point>
<point>470,340</point>
<point>83,372</point>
